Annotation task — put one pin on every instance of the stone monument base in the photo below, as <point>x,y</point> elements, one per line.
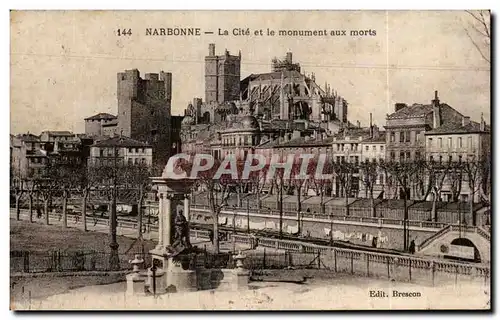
<point>160,285</point>
<point>136,283</point>
<point>178,279</point>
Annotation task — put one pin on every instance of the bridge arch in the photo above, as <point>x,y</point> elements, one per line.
<point>465,242</point>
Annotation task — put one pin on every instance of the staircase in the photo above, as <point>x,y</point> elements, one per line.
<point>435,236</point>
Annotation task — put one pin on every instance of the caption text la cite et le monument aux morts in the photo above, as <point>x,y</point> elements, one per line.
<point>267,32</point>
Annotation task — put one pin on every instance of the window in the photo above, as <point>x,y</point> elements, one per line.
<point>469,143</point>
<point>381,148</point>
<point>129,161</point>
<point>440,159</point>
<point>417,154</point>
<point>393,155</point>
<point>136,150</point>
<point>130,150</point>
<point>401,156</point>
<point>450,143</point>
<point>356,159</point>
<point>459,159</point>
<point>374,148</point>
<point>381,179</point>
<point>440,142</point>
<point>143,160</point>
<point>407,136</point>
<point>392,137</point>
<point>402,136</point>
<point>460,142</point>
<point>430,142</point>
<point>367,148</point>
<point>101,152</point>
<point>408,155</point>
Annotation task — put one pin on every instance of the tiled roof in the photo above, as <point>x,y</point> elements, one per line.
<point>377,138</point>
<point>451,127</point>
<point>37,153</point>
<point>273,75</point>
<point>352,134</point>
<point>59,133</point>
<point>28,137</point>
<point>302,142</point>
<point>112,123</point>
<point>415,110</point>
<point>120,141</point>
<point>101,116</point>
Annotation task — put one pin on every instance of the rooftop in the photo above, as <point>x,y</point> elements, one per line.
<point>58,133</point>
<point>121,141</point>
<point>27,137</point>
<point>450,127</point>
<point>377,138</point>
<point>112,123</point>
<point>101,116</point>
<point>415,110</point>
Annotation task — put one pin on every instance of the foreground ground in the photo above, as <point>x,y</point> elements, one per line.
<point>338,293</point>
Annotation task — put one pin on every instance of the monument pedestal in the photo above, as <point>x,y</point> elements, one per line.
<point>136,284</point>
<point>180,280</point>
<point>159,279</point>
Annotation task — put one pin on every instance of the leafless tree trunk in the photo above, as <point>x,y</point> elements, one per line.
<point>46,209</point>
<point>139,213</point>
<point>478,32</point>
<point>84,209</point>
<point>65,208</point>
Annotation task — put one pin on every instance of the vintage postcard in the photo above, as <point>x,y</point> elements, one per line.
<point>250,160</point>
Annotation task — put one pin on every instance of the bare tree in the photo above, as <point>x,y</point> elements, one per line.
<point>486,179</point>
<point>473,169</point>
<point>48,185</point>
<point>218,189</point>
<point>369,173</point>
<point>18,188</point>
<point>344,173</point>
<point>404,173</point>
<point>455,179</point>
<point>479,32</point>
<point>436,173</point>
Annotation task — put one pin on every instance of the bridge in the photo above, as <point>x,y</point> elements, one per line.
<point>388,233</point>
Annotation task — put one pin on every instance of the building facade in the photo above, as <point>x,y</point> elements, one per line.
<point>467,143</point>
<point>120,150</point>
<point>222,76</point>
<point>144,110</point>
<point>99,124</point>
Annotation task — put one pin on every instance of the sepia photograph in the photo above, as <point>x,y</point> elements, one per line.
<point>250,160</point>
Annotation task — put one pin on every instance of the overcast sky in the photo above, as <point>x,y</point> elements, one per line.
<point>64,64</point>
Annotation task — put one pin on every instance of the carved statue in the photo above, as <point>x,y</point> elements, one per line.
<point>181,235</point>
<point>190,110</point>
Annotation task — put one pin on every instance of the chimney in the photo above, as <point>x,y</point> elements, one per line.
<point>358,123</point>
<point>289,57</point>
<point>436,111</point>
<point>371,126</point>
<point>211,49</point>
<point>482,124</point>
<point>399,106</point>
<point>465,121</point>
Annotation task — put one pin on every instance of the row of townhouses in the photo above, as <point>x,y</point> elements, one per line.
<point>279,112</point>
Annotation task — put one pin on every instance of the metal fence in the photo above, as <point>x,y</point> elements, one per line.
<point>69,261</point>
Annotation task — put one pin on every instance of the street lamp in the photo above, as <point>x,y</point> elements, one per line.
<point>114,259</point>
